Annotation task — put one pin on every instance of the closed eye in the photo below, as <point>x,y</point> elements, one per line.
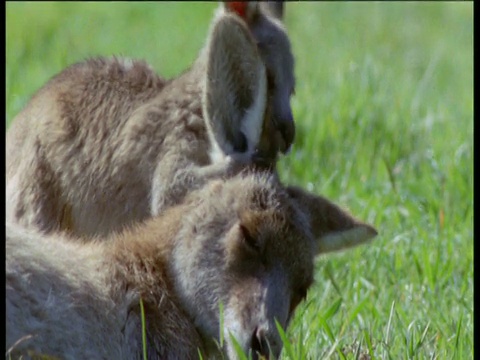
<point>249,240</point>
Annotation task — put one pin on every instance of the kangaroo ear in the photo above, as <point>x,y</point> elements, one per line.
<point>234,98</point>
<point>334,228</point>
<point>274,8</point>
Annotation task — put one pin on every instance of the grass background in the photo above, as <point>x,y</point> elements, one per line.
<point>384,112</point>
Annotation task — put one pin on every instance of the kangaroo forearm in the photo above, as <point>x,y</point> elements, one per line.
<point>172,183</point>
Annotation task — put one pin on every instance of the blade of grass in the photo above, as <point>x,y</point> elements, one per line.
<point>144,330</point>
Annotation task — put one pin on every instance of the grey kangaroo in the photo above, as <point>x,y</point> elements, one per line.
<point>107,142</point>
<point>250,252</point>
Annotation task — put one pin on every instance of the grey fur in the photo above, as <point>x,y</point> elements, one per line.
<point>251,250</point>
<point>107,142</point>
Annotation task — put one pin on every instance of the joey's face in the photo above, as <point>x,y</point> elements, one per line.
<point>257,266</point>
<point>269,267</point>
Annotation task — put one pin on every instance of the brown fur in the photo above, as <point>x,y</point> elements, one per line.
<point>250,250</point>
<point>107,142</point>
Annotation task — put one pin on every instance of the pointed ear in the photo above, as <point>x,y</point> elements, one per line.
<point>334,228</point>
<point>274,8</point>
<point>234,97</point>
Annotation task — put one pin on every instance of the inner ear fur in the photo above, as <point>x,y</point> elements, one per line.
<point>235,88</point>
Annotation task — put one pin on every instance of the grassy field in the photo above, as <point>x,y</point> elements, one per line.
<point>384,112</point>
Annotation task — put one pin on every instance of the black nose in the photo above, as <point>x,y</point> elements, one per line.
<point>259,345</point>
<point>286,126</point>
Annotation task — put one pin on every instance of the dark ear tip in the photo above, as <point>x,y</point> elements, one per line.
<point>371,232</point>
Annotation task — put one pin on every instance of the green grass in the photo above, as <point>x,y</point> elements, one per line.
<point>384,112</point>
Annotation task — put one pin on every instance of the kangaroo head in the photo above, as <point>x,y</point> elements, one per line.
<point>253,252</point>
<point>264,22</point>
<point>248,83</point>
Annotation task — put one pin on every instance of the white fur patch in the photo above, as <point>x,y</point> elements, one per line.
<point>253,120</point>
<point>217,155</point>
<point>346,239</point>
<point>126,63</point>
<point>233,327</point>
<point>12,194</point>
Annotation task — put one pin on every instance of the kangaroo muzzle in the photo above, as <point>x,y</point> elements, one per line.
<point>286,127</point>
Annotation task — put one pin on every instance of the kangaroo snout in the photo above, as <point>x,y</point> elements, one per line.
<point>282,119</point>
<point>286,126</point>
<point>264,346</point>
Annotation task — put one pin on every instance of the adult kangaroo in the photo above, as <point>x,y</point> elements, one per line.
<point>250,252</point>
<point>107,142</point>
